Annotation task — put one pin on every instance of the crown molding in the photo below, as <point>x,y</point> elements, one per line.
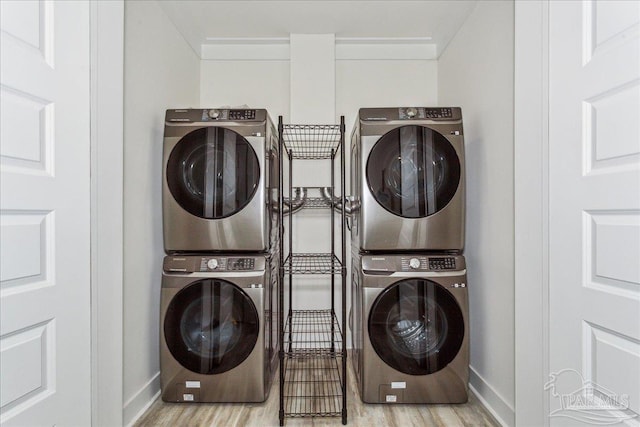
<point>347,48</point>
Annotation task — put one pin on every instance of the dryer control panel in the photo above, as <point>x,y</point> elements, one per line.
<point>235,115</point>
<point>199,115</point>
<point>445,114</point>
<point>409,113</point>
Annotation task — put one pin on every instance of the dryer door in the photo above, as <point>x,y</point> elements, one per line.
<point>413,171</point>
<point>213,172</point>
<point>416,326</point>
<point>211,326</point>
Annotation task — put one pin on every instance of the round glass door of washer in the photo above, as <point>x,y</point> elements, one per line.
<point>213,172</point>
<point>413,171</point>
<point>416,326</point>
<point>211,326</point>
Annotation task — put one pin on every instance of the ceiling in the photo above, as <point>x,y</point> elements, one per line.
<point>213,22</point>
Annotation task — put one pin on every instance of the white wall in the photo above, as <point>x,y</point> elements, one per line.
<point>383,83</point>
<point>312,61</point>
<point>359,83</point>
<point>161,71</point>
<point>476,73</point>
<point>258,84</point>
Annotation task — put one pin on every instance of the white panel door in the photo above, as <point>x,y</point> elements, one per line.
<point>44,213</point>
<point>594,202</point>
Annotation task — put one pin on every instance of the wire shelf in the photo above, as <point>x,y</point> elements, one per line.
<point>313,359</point>
<point>311,334</point>
<point>312,387</point>
<point>309,263</point>
<point>313,370</point>
<point>311,141</point>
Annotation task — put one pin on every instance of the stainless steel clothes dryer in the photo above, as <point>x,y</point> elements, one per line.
<point>407,167</point>
<point>220,181</point>
<point>218,328</point>
<point>410,328</point>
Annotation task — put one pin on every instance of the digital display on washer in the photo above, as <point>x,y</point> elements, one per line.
<point>241,264</point>
<point>438,113</point>
<point>242,114</point>
<point>443,263</point>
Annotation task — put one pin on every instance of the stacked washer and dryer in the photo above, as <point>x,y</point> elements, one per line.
<point>218,320</point>
<point>409,316</point>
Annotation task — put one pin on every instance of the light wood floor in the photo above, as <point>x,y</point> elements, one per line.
<point>358,414</point>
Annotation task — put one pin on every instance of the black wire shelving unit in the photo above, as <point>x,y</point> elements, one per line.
<point>313,356</point>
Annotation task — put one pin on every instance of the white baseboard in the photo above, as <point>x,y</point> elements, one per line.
<point>502,411</point>
<point>141,401</point>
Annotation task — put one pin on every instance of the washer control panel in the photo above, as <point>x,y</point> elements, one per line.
<point>193,115</point>
<point>212,263</point>
<point>442,263</point>
<point>444,114</point>
<point>242,114</point>
<point>423,263</point>
<point>408,113</point>
<point>227,264</point>
<point>235,115</point>
<point>412,263</point>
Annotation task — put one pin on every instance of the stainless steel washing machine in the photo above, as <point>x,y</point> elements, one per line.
<point>408,179</point>
<point>410,328</point>
<point>218,330</point>
<point>220,181</point>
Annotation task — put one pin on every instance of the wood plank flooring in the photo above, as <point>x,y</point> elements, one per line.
<point>358,414</point>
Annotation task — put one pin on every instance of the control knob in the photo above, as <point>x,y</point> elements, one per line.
<point>412,112</point>
<point>414,263</point>
<point>214,114</point>
<point>212,264</point>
